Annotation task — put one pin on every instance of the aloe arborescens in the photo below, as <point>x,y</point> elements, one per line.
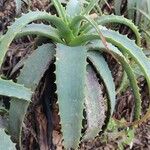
<point>79,44</point>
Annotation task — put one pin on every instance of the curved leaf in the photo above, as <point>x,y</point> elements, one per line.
<point>90,6</point>
<point>11,89</point>
<point>42,30</point>
<point>30,76</point>
<point>106,19</point>
<point>60,9</point>
<point>94,24</point>
<point>5,142</point>
<point>124,44</point>
<point>128,46</point>
<point>20,23</point>
<point>121,59</point>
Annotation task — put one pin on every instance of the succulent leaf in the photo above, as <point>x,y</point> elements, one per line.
<point>117,5</point>
<point>18,6</point>
<point>124,44</point>
<point>128,46</point>
<point>20,23</point>
<point>121,59</point>
<point>95,105</point>
<point>11,89</point>
<point>5,142</point>
<point>103,70</point>
<point>41,30</point>
<point>89,7</point>
<point>70,81</point>
<point>106,19</point>
<point>74,8</point>
<point>75,34</point>
<point>94,24</point>
<point>60,10</point>
<point>30,76</point>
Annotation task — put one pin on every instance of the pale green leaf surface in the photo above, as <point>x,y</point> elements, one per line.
<point>117,5</point>
<point>30,76</point>
<point>74,8</point>
<point>126,45</point>
<point>40,29</point>
<point>11,89</point>
<point>18,6</point>
<point>35,66</point>
<point>95,105</point>
<point>103,70</point>
<point>120,58</point>
<point>106,19</point>
<point>5,142</point>
<point>90,6</point>
<point>70,81</point>
<point>20,23</point>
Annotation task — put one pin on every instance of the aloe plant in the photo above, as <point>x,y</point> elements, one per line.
<point>138,12</point>
<point>6,142</point>
<point>79,43</point>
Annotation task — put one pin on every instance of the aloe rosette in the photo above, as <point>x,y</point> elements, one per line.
<point>77,51</point>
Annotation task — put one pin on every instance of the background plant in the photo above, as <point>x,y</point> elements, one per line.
<point>138,12</point>
<point>79,45</point>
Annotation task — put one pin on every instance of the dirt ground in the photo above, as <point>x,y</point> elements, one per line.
<point>124,107</point>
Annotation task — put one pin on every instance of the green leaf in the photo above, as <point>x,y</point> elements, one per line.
<point>36,65</point>
<point>124,84</point>
<point>106,19</point>
<point>94,105</point>
<point>130,5</point>
<point>60,10</point>
<point>5,142</point>
<point>18,6</point>
<point>90,6</point>
<point>30,76</point>
<point>98,45</point>
<point>42,30</point>
<point>94,24</point>
<point>70,81</point>
<point>143,13</point>
<point>117,5</point>
<point>74,8</point>
<point>11,89</point>
<point>124,44</point>
<point>20,23</point>
<point>128,46</point>
<point>103,70</point>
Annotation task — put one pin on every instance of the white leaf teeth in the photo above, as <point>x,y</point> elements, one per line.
<point>57,103</point>
<point>9,27</point>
